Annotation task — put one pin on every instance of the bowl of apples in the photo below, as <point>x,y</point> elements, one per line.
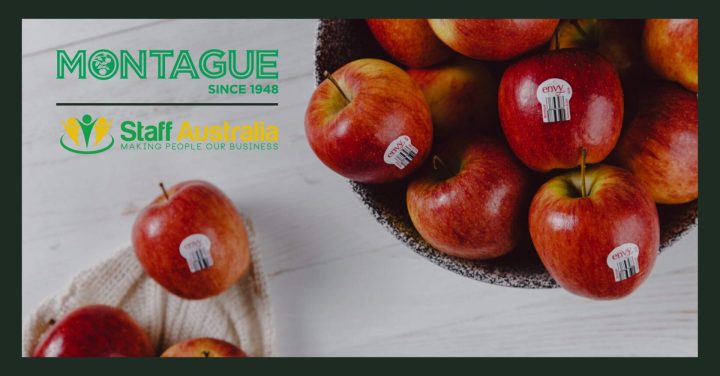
<point>531,153</point>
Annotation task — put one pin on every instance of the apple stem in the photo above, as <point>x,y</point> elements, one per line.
<point>556,38</point>
<point>206,353</point>
<point>580,29</point>
<point>330,77</point>
<point>439,165</point>
<point>583,190</point>
<point>162,186</point>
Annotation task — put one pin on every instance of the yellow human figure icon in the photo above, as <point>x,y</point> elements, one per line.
<point>102,127</point>
<point>72,128</point>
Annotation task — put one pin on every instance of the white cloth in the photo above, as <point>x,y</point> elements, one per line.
<point>240,315</point>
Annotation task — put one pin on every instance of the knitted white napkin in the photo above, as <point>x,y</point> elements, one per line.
<point>240,315</point>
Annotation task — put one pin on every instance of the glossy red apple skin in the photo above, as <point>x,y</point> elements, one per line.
<point>596,109</point>
<point>671,49</point>
<point>410,41</point>
<point>493,39</point>
<point>96,331</point>
<point>204,348</point>
<point>352,138</point>
<point>194,207</point>
<point>477,212</point>
<point>660,144</point>
<point>462,95</point>
<point>574,236</point>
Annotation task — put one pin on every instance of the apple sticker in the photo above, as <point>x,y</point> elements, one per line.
<point>623,260</point>
<point>554,96</point>
<point>196,251</point>
<point>400,152</point>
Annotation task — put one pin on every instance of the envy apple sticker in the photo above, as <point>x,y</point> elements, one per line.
<point>554,96</point>
<point>400,152</point>
<point>196,251</point>
<point>623,260</point>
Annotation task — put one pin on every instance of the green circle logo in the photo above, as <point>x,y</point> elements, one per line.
<point>103,64</point>
<point>78,151</point>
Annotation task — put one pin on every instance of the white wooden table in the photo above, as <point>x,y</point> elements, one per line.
<point>340,284</point>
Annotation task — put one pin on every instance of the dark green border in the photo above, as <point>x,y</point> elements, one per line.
<point>366,8</point>
<point>357,9</point>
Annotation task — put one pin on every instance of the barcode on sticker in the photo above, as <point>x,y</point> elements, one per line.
<point>626,269</point>
<point>196,251</point>
<point>623,260</point>
<point>400,152</point>
<point>556,109</point>
<point>554,96</point>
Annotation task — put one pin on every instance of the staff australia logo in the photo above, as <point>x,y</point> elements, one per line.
<point>164,135</point>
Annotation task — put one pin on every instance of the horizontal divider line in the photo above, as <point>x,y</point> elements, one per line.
<point>165,104</point>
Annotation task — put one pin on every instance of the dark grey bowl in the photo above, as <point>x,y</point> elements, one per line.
<point>342,41</point>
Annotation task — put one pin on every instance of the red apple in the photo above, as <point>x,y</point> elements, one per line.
<point>493,39</point>
<point>619,41</point>
<point>203,348</point>
<point>192,241</point>
<point>671,49</point>
<point>95,331</point>
<point>660,144</point>
<point>369,122</point>
<point>462,96</point>
<point>470,202</point>
<point>410,41</point>
<point>601,244</point>
<point>555,103</point>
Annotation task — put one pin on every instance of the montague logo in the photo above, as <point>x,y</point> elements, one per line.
<point>104,64</point>
<point>86,135</point>
<point>250,72</point>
